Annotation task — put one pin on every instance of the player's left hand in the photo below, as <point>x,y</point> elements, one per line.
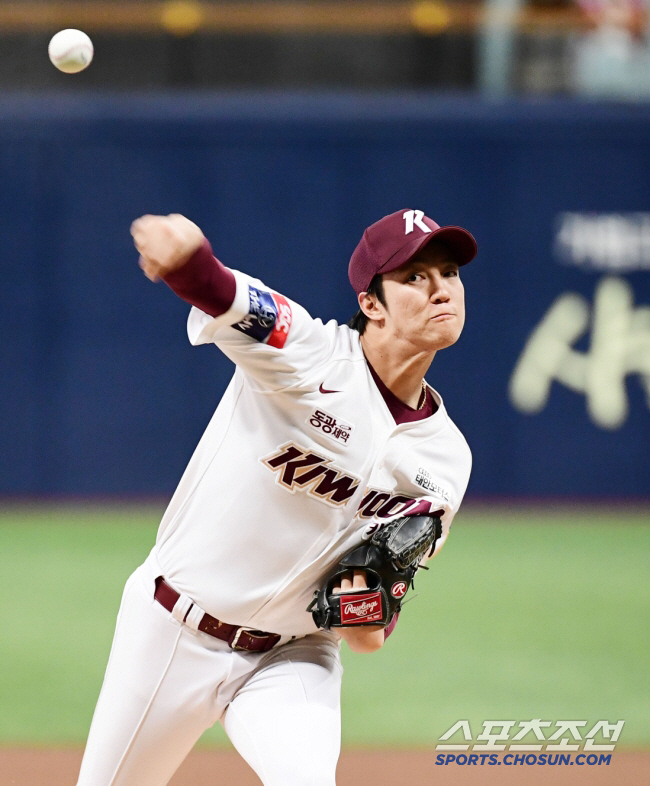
<point>367,586</point>
<point>165,243</point>
<point>361,640</point>
<point>353,579</point>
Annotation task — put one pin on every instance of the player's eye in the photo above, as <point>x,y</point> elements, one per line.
<point>415,277</point>
<point>452,273</point>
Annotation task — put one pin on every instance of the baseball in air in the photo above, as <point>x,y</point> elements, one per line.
<point>70,51</point>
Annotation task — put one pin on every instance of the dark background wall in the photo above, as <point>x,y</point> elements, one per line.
<point>102,393</point>
<point>233,61</point>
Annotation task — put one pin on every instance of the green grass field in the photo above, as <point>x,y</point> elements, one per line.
<point>523,615</point>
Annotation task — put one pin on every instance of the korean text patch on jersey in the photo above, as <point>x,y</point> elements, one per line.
<point>268,319</point>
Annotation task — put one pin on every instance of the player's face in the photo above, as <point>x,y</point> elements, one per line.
<point>425,300</point>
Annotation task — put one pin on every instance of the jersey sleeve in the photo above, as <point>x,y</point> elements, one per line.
<point>391,625</point>
<point>272,339</point>
<point>203,281</point>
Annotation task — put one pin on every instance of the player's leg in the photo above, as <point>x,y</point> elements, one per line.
<point>285,720</point>
<point>158,696</point>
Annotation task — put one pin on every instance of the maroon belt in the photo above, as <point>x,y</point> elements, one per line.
<point>237,638</point>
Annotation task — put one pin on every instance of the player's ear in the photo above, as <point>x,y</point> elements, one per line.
<point>370,306</point>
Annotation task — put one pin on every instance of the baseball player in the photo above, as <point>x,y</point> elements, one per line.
<point>325,435</point>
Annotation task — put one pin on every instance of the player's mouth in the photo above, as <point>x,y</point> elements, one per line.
<point>442,317</point>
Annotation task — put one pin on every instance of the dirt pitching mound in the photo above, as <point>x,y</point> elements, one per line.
<point>38,767</point>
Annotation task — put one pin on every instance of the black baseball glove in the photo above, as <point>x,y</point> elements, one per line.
<point>390,559</point>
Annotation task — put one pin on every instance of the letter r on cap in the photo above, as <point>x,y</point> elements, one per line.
<point>414,218</point>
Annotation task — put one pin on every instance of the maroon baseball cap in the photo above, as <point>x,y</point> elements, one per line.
<point>390,242</point>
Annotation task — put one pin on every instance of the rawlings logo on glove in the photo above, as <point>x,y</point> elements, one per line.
<point>357,608</point>
<point>390,560</point>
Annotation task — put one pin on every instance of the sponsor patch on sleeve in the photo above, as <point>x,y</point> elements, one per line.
<point>268,319</point>
<point>282,324</point>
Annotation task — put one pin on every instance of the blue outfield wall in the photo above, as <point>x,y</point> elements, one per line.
<point>550,382</point>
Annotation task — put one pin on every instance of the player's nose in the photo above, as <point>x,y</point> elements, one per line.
<point>439,289</point>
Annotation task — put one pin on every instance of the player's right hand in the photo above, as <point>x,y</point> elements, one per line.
<point>165,243</point>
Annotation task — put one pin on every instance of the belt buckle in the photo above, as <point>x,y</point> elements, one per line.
<point>234,645</point>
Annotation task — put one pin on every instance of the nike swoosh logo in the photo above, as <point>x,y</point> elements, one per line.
<point>323,390</point>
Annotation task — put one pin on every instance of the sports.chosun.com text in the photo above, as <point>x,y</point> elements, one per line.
<point>525,759</point>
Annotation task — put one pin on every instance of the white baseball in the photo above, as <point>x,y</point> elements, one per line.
<point>70,51</point>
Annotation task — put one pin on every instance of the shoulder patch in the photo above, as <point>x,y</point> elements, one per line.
<point>268,319</point>
<point>282,324</point>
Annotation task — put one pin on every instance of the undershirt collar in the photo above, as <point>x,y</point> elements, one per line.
<point>400,411</point>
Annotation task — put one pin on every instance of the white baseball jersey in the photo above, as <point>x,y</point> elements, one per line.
<point>301,460</point>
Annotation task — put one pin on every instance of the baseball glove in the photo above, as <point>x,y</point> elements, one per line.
<point>390,559</point>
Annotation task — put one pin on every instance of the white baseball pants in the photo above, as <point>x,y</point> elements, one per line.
<point>165,685</point>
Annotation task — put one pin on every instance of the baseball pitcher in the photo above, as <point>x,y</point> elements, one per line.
<point>328,474</point>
